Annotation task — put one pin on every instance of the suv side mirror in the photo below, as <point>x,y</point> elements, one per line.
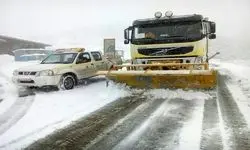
<point>212,27</point>
<point>212,36</point>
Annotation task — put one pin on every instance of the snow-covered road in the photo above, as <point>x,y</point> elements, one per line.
<point>160,119</point>
<point>155,119</point>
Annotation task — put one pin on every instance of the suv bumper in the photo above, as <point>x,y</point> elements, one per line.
<point>36,81</point>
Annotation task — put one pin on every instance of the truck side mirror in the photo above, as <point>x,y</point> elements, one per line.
<point>126,34</point>
<point>212,36</point>
<point>126,41</point>
<point>212,27</point>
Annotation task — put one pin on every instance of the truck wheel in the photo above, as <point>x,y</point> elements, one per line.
<point>67,82</point>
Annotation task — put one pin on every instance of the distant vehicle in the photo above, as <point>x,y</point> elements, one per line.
<point>64,69</point>
<point>31,54</point>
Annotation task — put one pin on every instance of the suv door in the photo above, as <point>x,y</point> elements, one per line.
<point>99,62</point>
<point>84,66</point>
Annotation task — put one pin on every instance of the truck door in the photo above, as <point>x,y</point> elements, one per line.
<point>99,62</point>
<point>84,66</point>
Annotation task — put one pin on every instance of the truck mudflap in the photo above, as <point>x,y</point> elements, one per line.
<point>194,79</point>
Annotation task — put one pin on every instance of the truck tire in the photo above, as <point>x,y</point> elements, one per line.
<point>67,82</point>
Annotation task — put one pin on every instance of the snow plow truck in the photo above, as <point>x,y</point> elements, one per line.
<point>167,52</point>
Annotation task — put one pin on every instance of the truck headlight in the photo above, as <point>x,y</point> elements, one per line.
<point>46,73</point>
<point>15,73</point>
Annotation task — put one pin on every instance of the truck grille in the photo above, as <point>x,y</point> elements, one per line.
<point>27,73</point>
<point>165,51</point>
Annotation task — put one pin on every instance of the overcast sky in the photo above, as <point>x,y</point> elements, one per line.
<point>87,22</point>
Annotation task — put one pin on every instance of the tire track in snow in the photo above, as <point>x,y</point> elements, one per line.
<point>211,135</point>
<point>162,129</point>
<point>85,130</point>
<point>234,121</point>
<point>15,113</point>
<point>124,126</point>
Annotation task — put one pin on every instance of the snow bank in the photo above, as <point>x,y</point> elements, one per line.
<point>8,94</point>
<point>8,91</point>
<point>51,111</point>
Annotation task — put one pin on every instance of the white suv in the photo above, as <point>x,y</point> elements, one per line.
<point>63,69</point>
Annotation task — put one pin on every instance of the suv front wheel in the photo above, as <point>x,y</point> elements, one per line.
<point>67,82</point>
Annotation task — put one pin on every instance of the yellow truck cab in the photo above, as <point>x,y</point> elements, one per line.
<point>64,69</point>
<point>168,51</point>
<point>175,39</point>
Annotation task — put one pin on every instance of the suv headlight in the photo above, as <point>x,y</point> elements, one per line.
<point>46,73</point>
<point>15,73</point>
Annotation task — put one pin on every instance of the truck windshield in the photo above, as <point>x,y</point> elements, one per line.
<point>63,58</point>
<point>167,33</point>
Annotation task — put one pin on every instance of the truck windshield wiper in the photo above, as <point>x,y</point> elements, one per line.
<point>174,36</point>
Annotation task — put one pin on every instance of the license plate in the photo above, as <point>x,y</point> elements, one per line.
<point>24,79</point>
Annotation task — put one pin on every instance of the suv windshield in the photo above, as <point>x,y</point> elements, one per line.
<point>172,32</point>
<point>63,58</point>
<point>31,54</point>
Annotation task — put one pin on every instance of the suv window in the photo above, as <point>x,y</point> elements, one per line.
<point>83,58</point>
<point>97,56</point>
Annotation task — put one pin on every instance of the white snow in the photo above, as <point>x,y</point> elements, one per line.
<point>224,134</point>
<point>195,124</point>
<point>179,93</point>
<point>239,85</point>
<point>51,111</point>
<point>7,66</point>
<point>8,92</point>
<point>135,135</point>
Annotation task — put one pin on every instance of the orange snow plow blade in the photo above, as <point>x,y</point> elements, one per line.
<point>184,77</point>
